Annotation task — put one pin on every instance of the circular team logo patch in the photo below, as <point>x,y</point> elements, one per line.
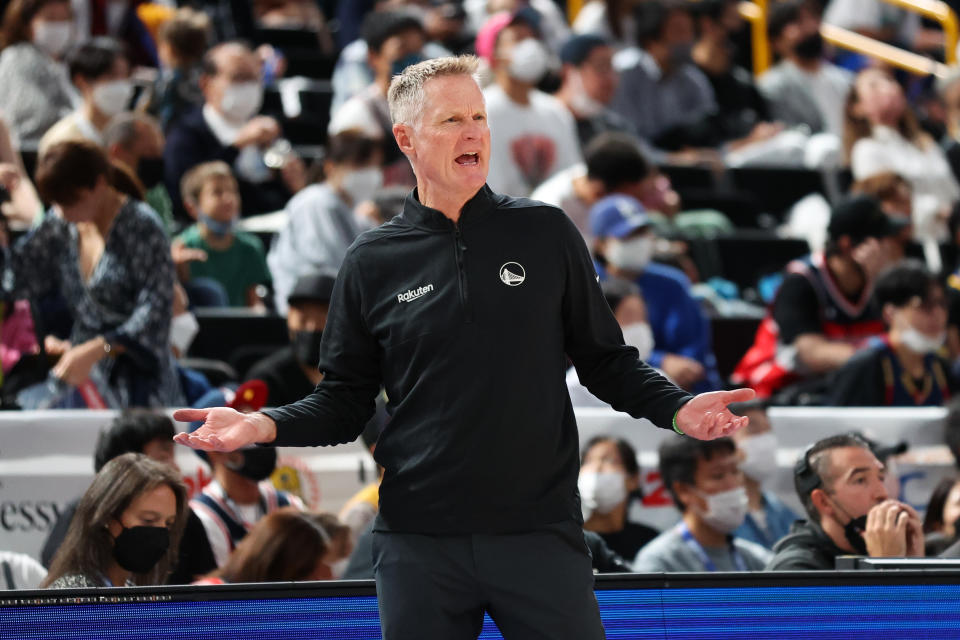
<point>512,274</point>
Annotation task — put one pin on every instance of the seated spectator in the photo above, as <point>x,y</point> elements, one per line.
<point>612,20</point>
<point>840,483</point>
<point>768,518</point>
<point>181,43</point>
<point>287,545</point>
<point>624,245</point>
<point>291,372</point>
<point>127,527</point>
<point>901,368</point>
<point>321,223</point>
<point>237,497</point>
<point>941,517</point>
<point>609,480</point>
<point>34,38</point>
<point>707,486</point>
<point>881,134</point>
<point>135,139</point>
<point>824,308</point>
<point>895,196</point>
<point>341,543</point>
<point>149,433</point>
<point>630,310</point>
<point>20,571</point>
<point>234,259</point>
<point>588,85</point>
<point>532,134</point>
<point>227,128</point>
<point>100,70</point>
<point>108,244</point>
<point>803,88</point>
<point>395,40</point>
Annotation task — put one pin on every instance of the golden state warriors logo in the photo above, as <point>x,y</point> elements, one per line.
<point>293,476</point>
<point>512,274</point>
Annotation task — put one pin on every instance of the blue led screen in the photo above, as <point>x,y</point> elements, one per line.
<point>843,611</point>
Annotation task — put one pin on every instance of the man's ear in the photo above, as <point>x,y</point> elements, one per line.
<point>401,132</point>
<point>822,503</point>
<point>685,494</point>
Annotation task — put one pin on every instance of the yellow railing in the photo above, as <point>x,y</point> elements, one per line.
<point>755,13</point>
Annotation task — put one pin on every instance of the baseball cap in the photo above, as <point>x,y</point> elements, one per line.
<point>487,35</point>
<point>861,217</point>
<point>314,287</point>
<point>617,216</point>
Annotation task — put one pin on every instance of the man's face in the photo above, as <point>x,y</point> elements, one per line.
<point>119,71</point>
<point>307,316</point>
<point>631,310</point>
<point>599,78</point>
<point>854,481</point>
<point>716,475</point>
<point>927,315</point>
<point>449,147</point>
<point>508,38</point>
<point>161,450</point>
<point>235,65</point>
<point>806,24</point>
<point>677,37</point>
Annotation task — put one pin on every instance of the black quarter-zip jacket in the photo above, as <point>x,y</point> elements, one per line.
<point>468,327</point>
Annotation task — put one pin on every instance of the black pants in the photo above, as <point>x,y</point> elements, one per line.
<point>534,585</point>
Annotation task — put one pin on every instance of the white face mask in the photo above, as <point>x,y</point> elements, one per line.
<point>633,254</point>
<point>183,329</point>
<point>53,36</point>
<point>241,101</point>
<point>113,97</point>
<point>920,343</point>
<point>339,567</point>
<point>580,100</point>
<point>600,492</point>
<point>361,184</point>
<point>528,61</point>
<point>725,510</point>
<point>639,335</point>
<point>760,456</point>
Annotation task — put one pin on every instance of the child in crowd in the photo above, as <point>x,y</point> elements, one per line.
<point>218,265</point>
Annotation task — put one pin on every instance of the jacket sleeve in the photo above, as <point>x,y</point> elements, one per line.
<point>339,408</point>
<point>592,339</point>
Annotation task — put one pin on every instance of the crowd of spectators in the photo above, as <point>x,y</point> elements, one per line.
<point>158,172</point>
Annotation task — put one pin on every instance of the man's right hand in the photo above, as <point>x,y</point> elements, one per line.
<point>684,371</point>
<point>891,532</point>
<point>260,131</point>
<point>225,429</point>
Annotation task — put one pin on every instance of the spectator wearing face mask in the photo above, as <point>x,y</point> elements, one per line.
<point>624,246</point>
<point>532,134</point>
<point>395,40</point>
<point>803,88</point>
<point>100,70</point>
<point>840,483</point>
<point>321,220</point>
<point>213,250</point>
<point>589,83</point>
<point>768,519</point>
<point>292,372</point>
<point>34,38</point>
<point>135,140</point>
<point>227,128</point>
<point>630,310</point>
<point>609,479</point>
<point>127,527</point>
<point>239,494</point>
<point>707,486</point>
<point>901,368</point>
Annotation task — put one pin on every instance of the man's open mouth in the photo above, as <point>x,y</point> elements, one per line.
<point>468,159</point>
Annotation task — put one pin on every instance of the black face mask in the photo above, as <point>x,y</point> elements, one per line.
<point>150,171</point>
<point>810,48</point>
<point>257,465</point>
<point>306,347</point>
<point>139,549</point>
<point>853,532</point>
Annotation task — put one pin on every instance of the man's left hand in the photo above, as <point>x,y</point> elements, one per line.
<point>707,417</point>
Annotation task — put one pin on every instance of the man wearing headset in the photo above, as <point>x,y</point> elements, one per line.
<point>841,485</point>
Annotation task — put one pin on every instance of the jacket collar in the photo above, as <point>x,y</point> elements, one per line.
<point>426,217</point>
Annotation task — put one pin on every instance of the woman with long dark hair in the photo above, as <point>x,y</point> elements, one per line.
<point>127,527</point>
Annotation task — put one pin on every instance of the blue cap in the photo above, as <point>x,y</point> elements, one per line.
<point>617,216</point>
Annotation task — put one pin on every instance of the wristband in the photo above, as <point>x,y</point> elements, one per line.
<point>675,427</point>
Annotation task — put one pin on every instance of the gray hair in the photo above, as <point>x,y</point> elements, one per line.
<point>406,96</point>
<point>122,128</point>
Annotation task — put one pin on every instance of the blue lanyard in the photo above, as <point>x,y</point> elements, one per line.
<point>697,548</point>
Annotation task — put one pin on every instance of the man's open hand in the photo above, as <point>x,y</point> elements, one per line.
<point>707,417</point>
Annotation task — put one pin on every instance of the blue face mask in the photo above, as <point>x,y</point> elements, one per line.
<point>406,61</point>
<point>217,228</point>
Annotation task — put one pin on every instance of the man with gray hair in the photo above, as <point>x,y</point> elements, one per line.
<point>465,307</point>
<point>136,140</point>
